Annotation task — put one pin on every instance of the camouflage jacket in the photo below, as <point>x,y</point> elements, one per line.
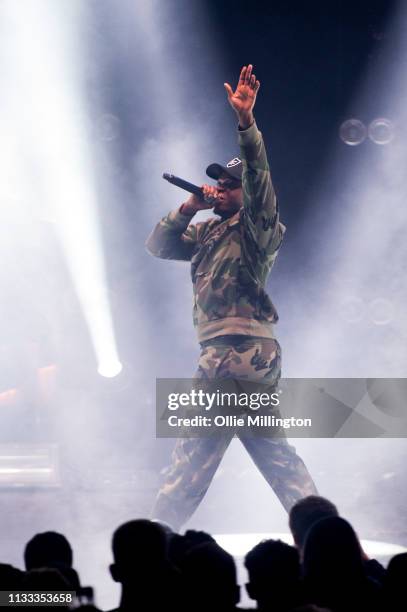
<point>230,259</point>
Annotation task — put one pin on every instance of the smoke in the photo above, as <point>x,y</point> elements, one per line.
<point>151,100</point>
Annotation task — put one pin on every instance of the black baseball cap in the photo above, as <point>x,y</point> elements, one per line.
<point>234,168</point>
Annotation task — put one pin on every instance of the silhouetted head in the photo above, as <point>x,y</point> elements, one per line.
<point>274,572</point>
<point>195,537</point>
<point>166,526</point>
<point>305,513</point>
<point>333,568</point>
<point>210,573</point>
<point>180,545</point>
<point>395,578</point>
<point>139,546</point>
<point>332,552</point>
<point>48,549</point>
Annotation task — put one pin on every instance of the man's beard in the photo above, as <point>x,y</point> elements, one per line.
<point>224,214</point>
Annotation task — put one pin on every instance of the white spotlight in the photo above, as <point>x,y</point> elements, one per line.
<point>110,369</point>
<point>58,140</point>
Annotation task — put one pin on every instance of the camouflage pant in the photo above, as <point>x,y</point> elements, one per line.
<point>195,460</point>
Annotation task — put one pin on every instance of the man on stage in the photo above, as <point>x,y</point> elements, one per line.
<point>231,257</point>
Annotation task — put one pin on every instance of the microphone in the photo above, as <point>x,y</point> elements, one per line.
<point>179,182</point>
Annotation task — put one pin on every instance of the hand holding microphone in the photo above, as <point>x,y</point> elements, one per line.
<point>196,203</point>
<point>202,198</point>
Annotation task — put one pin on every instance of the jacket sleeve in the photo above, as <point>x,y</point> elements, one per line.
<point>173,237</point>
<point>262,230</point>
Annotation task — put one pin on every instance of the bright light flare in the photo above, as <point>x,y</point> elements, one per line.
<point>110,369</point>
<point>44,53</point>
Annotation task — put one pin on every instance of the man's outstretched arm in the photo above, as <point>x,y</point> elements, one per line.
<point>174,237</point>
<point>262,225</point>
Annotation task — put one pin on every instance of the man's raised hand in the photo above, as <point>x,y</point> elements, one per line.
<point>242,100</point>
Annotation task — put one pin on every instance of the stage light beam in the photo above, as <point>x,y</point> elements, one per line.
<point>46,98</point>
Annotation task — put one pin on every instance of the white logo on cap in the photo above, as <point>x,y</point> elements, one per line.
<point>233,162</point>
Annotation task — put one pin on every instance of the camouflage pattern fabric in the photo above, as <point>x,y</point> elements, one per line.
<point>195,460</point>
<point>234,317</point>
<point>230,259</point>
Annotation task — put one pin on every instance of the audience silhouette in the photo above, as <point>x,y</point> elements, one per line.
<point>274,576</point>
<point>10,577</point>
<point>305,513</point>
<point>334,571</point>
<point>394,583</point>
<point>309,510</point>
<point>46,549</point>
<point>52,550</point>
<point>210,576</point>
<point>142,567</point>
<point>325,571</point>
